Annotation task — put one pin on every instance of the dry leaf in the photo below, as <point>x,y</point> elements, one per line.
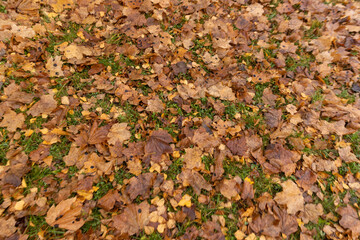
<point>291,196</point>
<point>12,121</point>
<point>133,219</point>
<point>118,133</point>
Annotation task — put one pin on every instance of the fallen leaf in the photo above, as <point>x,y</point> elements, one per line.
<point>195,180</point>
<point>133,219</point>
<point>45,105</point>
<point>66,215</point>
<point>158,143</point>
<point>222,92</point>
<point>350,220</point>
<point>7,226</point>
<point>155,105</point>
<point>54,67</point>
<point>118,133</point>
<point>291,196</point>
<point>12,121</point>
<point>140,185</point>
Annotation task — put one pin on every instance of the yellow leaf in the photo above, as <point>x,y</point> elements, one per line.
<point>19,205</point>
<point>185,201</point>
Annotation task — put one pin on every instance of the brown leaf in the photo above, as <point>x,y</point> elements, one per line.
<point>312,212</point>
<point>133,219</point>
<point>12,121</point>
<point>265,225</point>
<point>307,179</point>
<point>291,196</point>
<point>140,185</point>
<point>346,155</point>
<point>192,158</point>
<point>350,220</point>
<point>273,117</point>
<point>54,67</point>
<point>65,215</point>
<point>282,159</point>
<point>238,146</point>
<point>230,188</point>
<point>155,105</point>
<point>7,226</point>
<point>204,139</point>
<point>118,133</point>
<point>108,201</point>
<point>222,92</point>
<point>98,135</point>
<point>158,143</point>
<point>195,180</point>
<point>247,190</point>
<point>287,223</point>
<point>46,105</point>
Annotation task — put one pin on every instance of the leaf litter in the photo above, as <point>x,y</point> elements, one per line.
<point>148,119</point>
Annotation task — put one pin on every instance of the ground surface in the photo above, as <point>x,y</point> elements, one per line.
<point>164,119</point>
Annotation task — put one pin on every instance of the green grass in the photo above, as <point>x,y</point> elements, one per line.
<point>35,177</point>
<point>305,60</point>
<point>60,149</point>
<point>94,223</point>
<point>346,95</point>
<point>318,96</point>
<point>314,31</point>
<point>261,184</point>
<point>4,146</point>
<point>3,9</point>
<point>104,186</point>
<point>40,224</point>
<point>30,143</point>
<point>174,169</point>
<point>121,175</point>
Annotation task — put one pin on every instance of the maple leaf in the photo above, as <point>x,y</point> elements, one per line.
<point>291,196</point>
<point>192,158</point>
<point>281,158</point>
<point>54,67</point>
<point>155,105</point>
<point>222,92</point>
<point>230,188</point>
<point>65,215</point>
<point>238,146</point>
<point>133,219</point>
